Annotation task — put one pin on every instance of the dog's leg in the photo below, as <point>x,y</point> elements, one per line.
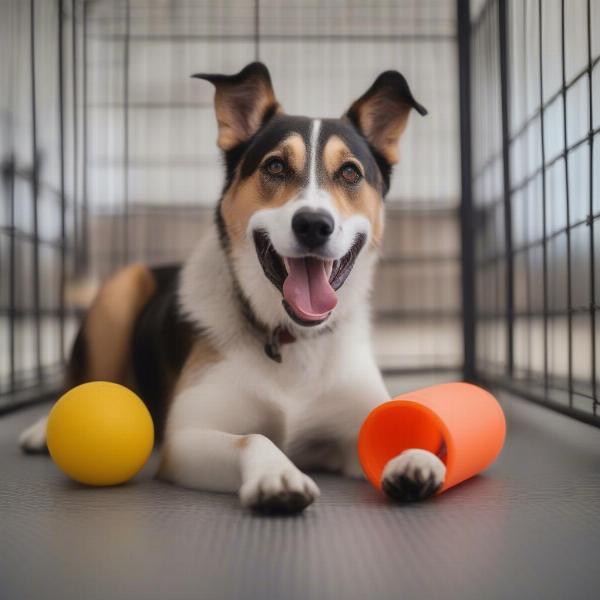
<point>415,474</point>
<point>251,465</point>
<point>208,446</point>
<point>342,410</point>
<point>102,349</point>
<point>33,439</point>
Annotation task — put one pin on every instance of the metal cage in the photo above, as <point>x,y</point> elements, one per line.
<point>489,263</point>
<point>536,118</point>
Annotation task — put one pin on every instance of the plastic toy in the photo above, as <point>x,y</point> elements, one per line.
<point>100,433</point>
<point>462,423</point>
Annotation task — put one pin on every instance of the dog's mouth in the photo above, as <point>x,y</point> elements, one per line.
<point>308,284</point>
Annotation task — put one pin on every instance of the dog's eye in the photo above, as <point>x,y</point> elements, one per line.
<point>350,173</point>
<point>275,166</point>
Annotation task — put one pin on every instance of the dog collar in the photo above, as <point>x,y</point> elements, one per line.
<point>274,338</point>
<point>277,337</point>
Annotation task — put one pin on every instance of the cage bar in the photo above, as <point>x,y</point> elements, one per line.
<point>489,266</point>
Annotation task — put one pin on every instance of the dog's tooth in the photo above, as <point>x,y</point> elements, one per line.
<point>286,264</point>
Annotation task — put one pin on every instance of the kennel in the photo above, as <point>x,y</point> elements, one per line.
<point>489,271</point>
<point>490,263</point>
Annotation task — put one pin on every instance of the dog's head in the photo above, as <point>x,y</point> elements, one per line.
<point>302,206</point>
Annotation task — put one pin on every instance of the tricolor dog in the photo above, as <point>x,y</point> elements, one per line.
<point>255,357</point>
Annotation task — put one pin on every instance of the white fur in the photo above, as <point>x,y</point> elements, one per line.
<point>322,391</point>
<point>33,439</point>
<point>246,423</point>
<point>315,129</point>
<point>277,222</point>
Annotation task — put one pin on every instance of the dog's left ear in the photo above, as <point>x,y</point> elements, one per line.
<point>381,113</point>
<point>243,102</point>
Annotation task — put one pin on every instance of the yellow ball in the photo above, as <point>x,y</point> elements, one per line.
<point>100,433</point>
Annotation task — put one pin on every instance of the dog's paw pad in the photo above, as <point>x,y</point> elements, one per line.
<point>287,492</point>
<point>33,439</point>
<point>413,475</point>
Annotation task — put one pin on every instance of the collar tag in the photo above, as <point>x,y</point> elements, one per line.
<point>275,338</point>
<point>272,349</point>
<point>273,352</point>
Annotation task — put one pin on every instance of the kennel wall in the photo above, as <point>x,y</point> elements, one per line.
<point>109,155</point>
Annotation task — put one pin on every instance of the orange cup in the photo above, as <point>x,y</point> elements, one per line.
<point>461,423</point>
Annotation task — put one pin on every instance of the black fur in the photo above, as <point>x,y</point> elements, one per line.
<point>161,343</point>
<point>282,503</point>
<point>251,72</point>
<point>281,126</point>
<point>162,337</point>
<point>276,130</point>
<point>393,85</point>
<point>76,367</point>
<point>221,229</point>
<point>405,489</point>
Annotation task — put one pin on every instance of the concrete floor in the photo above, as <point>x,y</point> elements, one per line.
<point>528,528</point>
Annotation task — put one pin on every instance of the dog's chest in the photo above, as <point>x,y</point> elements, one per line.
<point>308,368</point>
<point>307,364</point>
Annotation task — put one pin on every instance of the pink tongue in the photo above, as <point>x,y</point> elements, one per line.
<point>307,289</point>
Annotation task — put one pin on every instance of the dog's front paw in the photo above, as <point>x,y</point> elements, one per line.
<point>33,439</point>
<point>413,475</point>
<point>285,492</point>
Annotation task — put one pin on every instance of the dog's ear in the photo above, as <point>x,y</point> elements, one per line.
<point>381,113</point>
<point>243,102</point>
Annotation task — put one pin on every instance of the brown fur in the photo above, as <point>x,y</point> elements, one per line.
<point>244,198</point>
<point>102,351</point>
<point>382,114</point>
<point>384,121</point>
<point>232,129</point>
<point>366,200</point>
<point>241,103</point>
<point>242,442</point>
<point>202,354</point>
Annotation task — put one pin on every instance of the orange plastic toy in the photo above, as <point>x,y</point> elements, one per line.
<point>462,423</point>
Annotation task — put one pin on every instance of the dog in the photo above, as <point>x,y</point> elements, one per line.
<point>255,357</point>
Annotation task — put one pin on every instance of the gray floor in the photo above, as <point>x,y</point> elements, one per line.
<point>528,528</point>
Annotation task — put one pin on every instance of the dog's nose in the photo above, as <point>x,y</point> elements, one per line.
<point>312,228</point>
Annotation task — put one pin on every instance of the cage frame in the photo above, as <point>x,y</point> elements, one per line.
<point>542,388</point>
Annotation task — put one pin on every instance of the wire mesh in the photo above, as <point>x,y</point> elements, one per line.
<point>108,156</point>
<point>41,205</point>
<point>109,153</point>
<point>535,82</point>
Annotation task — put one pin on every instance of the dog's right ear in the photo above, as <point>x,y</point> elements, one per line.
<point>243,102</point>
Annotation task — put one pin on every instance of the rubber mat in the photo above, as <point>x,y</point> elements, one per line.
<point>528,528</point>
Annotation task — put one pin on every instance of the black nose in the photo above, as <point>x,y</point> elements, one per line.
<point>312,228</point>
